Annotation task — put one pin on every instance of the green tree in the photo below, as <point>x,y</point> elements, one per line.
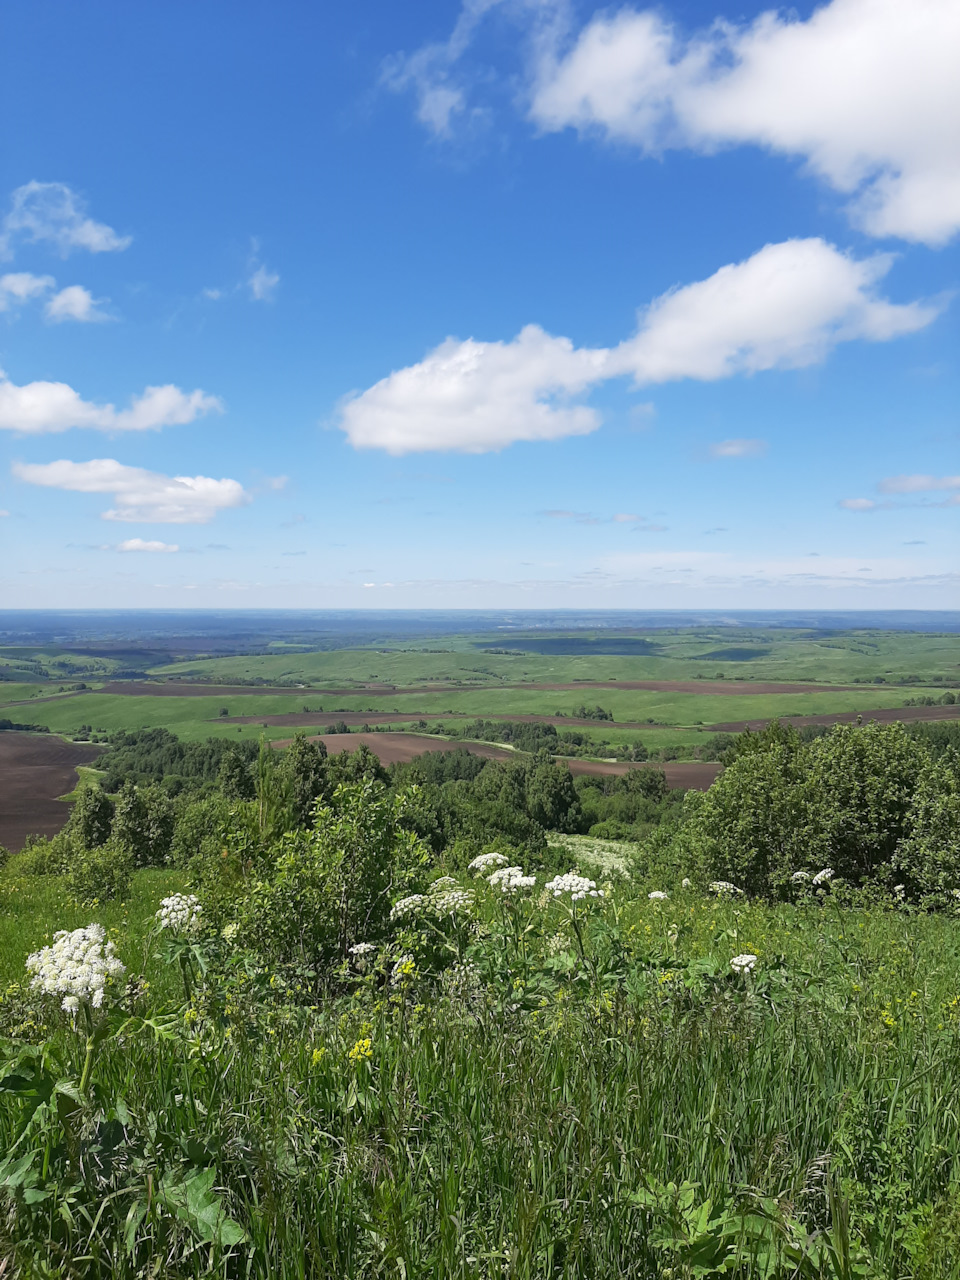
<point>92,817</point>
<point>143,824</point>
<point>234,778</point>
<point>304,770</point>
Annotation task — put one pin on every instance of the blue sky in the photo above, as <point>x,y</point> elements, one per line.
<point>519,303</point>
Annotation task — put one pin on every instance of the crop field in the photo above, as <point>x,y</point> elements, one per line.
<point>35,770</point>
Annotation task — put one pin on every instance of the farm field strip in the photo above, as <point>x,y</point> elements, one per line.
<point>35,770</point>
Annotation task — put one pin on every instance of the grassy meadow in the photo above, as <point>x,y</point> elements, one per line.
<point>598,1094</point>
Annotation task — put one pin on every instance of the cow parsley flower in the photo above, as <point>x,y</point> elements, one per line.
<point>800,877</point>
<point>487,860</point>
<point>743,964</point>
<point>450,901</point>
<point>658,895</point>
<point>511,880</point>
<point>575,885</point>
<point>686,883</point>
<point>824,876</point>
<point>721,887</point>
<point>407,906</point>
<point>78,967</point>
<point>180,914</point>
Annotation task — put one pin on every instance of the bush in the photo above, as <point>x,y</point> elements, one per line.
<point>100,874</point>
<point>43,857</point>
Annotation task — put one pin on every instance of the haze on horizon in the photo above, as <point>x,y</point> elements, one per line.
<point>513,304</point>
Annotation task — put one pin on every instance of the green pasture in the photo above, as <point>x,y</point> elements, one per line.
<point>682,655</point>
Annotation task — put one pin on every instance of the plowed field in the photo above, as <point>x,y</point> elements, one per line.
<point>34,770</point>
<point>883,715</point>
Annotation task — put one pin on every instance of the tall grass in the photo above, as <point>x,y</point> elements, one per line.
<point>512,1129</point>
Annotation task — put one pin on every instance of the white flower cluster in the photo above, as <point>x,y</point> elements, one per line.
<point>686,883</point>
<point>180,914</point>
<point>743,964</point>
<point>824,876</point>
<point>443,899</point>
<point>362,948</point>
<point>511,880</point>
<point>487,860</point>
<point>800,877</point>
<point>721,887</point>
<point>577,886</point>
<point>658,895</point>
<point>77,967</point>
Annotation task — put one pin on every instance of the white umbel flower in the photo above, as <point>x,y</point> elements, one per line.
<point>407,906</point>
<point>658,895</point>
<point>485,861</point>
<point>824,876</point>
<point>686,883</point>
<point>362,948</point>
<point>800,877</point>
<point>78,967</point>
<point>180,914</point>
<point>721,887</point>
<point>511,880</point>
<point>577,886</point>
<point>743,964</point>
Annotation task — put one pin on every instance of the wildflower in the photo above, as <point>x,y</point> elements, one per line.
<point>511,880</point>
<point>955,893</point>
<point>825,876</point>
<point>362,948</point>
<point>407,906</point>
<point>450,901</point>
<point>404,970</point>
<point>576,885</point>
<point>318,1056</point>
<point>721,887</point>
<point>658,895</point>
<point>686,883</point>
<point>900,891</point>
<point>800,877</point>
<point>180,914</point>
<point>487,860</point>
<point>78,967</point>
<point>743,964</point>
<point>362,1051</point>
<point>229,931</point>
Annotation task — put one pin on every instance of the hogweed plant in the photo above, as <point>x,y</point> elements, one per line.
<point>80,969</point>
<point>178,924</point>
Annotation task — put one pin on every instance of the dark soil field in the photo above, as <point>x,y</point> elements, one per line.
<point>34,770</point>
<point>394,748</point>
<point>883,715</point>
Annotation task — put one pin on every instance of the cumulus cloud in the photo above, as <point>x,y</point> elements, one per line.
<point>785,307</point>
<point>866,92</point>
<point>139,495</point>
<point>52,212</point>
<point>738,449</point>
<point>41,407</point>
<point>141,544</point>
<point>75,303</point>
<point>17,287</point>
<point>479,396</point>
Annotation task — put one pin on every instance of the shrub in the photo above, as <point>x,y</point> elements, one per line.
<point>100,874</point>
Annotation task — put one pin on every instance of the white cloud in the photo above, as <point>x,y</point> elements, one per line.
<point>479,396</point>
<point>858,504</point>
<point>52,212</point>
<point>141,544</point>
<point>41,407</point>
<point>20,286</point>
<point>738,449</point>
<point>865,91</point>
<point>139,495</point>
<point>263,284</point>
<point>918,484</point>
<point>75,303</point>
<point>785,307</point>
<point>4,514</point>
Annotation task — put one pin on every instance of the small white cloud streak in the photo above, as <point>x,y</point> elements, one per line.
<point>785,307</point>
<point>39,408</point>
<point>858,504</point>
<point>141,544</point>
<point>140,495</point>
<point>75,303</point>
<point>738,449</point>
<point>918,484</point>
<point>52,212</point>
<point>865,91</point>
<point>263,284</point>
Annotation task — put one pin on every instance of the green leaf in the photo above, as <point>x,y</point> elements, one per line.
<point>192,1201</point>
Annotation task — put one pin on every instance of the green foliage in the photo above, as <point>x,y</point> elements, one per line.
<point>100,874</point>
<point>91,818</point>
<point>304,769</point>
<point>324,890</point>
<point>143,824</point>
